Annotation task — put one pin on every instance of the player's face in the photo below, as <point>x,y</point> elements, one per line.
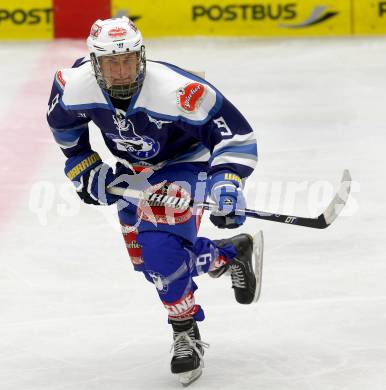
<point>119,69</point>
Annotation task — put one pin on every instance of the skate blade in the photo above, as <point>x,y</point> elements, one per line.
<point>186,378</point>
<point>258,252</point>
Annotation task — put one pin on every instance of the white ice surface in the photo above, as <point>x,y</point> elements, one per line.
<point>74,316</point>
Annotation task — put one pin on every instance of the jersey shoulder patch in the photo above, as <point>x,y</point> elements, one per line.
<point>191,96</point>
<point>60,80</point>
<point>80,88</point>
<point>172,93</point>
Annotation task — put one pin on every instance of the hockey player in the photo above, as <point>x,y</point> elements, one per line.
<point>171,132</point>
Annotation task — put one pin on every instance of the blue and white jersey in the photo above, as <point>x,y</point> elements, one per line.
<point>176,117</point>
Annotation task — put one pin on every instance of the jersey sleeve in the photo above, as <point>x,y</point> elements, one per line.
<point>230,140</point>
<point>69,128</point>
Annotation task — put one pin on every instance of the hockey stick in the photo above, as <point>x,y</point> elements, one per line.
<point>321,222</point>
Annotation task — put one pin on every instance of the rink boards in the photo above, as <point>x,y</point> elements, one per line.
<point>48,19</point>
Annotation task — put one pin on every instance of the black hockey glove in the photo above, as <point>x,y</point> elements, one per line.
<point>91,177</point>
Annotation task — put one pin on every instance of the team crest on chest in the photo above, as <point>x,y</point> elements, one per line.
<point>138,146</point>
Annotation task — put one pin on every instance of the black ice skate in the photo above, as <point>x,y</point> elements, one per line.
<point>188,353</point>
<point>246,279</point>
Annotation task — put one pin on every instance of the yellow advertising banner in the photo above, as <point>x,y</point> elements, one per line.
<point>237,17</point>
<point>26,19</point>
<point>369,16</point>
<point>34,19</point>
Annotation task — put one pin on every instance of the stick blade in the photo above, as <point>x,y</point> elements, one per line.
<point>338,202</point>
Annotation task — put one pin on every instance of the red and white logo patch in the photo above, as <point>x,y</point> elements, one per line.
<point>153,211</point>
<point>190,97</point>
<point>60,79</point>
<point>95,30</point>
<point>130,235</point>
<point>183,307</point>
<point>117,32</point>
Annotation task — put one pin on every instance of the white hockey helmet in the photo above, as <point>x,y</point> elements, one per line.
<point>117,40</point>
